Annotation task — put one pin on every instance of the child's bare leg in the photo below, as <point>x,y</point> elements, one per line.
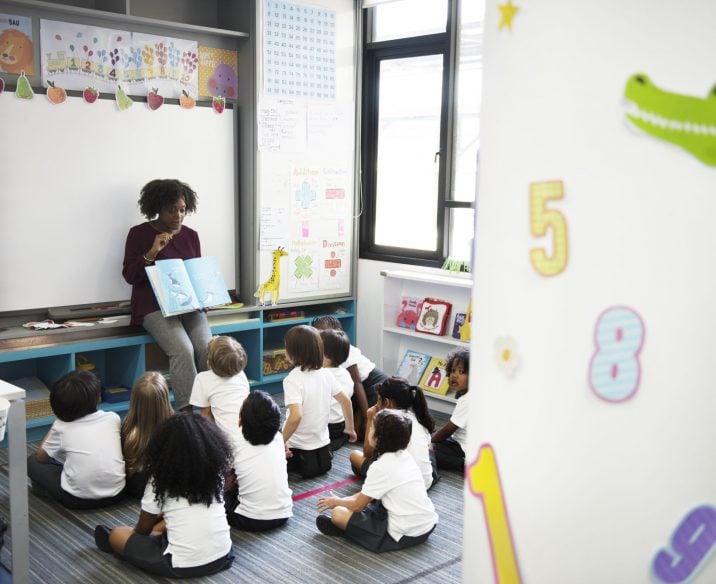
<point>340,517</point>
<point>357,459</point>
<point>118,538</point>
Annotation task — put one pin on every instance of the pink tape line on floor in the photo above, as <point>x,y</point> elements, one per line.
<point>319,490</point>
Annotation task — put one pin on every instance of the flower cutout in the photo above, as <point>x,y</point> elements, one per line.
<point>508,360</point>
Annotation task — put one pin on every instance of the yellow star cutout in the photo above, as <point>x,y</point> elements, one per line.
<point>507,13</point>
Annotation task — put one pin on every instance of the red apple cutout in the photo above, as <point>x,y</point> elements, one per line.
<point>218,104</point>
<point>90,94</point>
<point>154,100</point>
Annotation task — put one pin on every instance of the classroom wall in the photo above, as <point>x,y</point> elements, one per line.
<point>591,440</point>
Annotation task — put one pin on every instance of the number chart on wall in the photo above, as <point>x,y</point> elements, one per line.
<point>305,202</point>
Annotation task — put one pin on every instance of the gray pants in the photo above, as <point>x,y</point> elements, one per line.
<point>185,339</point>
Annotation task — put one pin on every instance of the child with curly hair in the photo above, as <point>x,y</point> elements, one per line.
<point>182,531</point>
<point>450,442</point>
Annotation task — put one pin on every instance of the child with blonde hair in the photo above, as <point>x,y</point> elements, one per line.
<point>221,390</point>
<point>308,391</point>
<point>148,407</point>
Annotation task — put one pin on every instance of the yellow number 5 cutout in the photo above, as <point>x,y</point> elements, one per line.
<point>543,218</point>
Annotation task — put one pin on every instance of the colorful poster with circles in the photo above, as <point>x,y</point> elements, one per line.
<point>615,371</point>
<point>74,56</point>
<point>16,47</point>
<point>335,264</point>
<point>218,73</point>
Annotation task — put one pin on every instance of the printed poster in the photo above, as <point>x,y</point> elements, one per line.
<point>16,48</point>
<point>335,264</point>
<point>218,73</point>
<point>299,50</point>
<point>303,266</point>
<point>74,56</point>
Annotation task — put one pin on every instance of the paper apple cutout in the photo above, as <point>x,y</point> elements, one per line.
<point>154,100</point>
<point>90,94</point>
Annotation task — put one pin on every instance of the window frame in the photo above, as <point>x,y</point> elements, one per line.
<point>373,53</point>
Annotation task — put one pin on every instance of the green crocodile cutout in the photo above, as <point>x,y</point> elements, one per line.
<point>688,122</point>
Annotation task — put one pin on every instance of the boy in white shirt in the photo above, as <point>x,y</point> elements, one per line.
<point>335,351</point>
<point>221,390</point>
<point>264,498</point>
<point>80,462</point>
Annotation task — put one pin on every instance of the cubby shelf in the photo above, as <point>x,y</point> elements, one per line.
<point>120,358</point>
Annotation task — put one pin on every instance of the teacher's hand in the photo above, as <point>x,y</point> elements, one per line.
<point>160,242</point>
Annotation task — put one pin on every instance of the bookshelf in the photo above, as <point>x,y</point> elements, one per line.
<point>395,340</point>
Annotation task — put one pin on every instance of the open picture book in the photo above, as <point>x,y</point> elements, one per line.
<point>185,285</point>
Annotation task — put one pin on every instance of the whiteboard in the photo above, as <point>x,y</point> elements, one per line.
<point>306,161</point>
<point>71,177</point>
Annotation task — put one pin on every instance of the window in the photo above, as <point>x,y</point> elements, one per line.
<point>419,167</point>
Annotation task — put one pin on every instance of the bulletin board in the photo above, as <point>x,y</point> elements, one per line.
<point>306,147</point>
<point>71,179</point>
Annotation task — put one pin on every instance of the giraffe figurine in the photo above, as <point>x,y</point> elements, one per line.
<point>271,285</point>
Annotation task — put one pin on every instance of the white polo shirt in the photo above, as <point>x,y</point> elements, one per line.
<point>459,417</point>
<point>314,391</point>
<point>224,395</point>
<point>418,447</point>
<point>396,481</point>
<point>197,534</point>
<point>355,357</point>
<point>263,480</point>
<point>343,379</point>
<point>91,450</point>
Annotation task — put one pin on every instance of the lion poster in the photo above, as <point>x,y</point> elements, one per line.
<point>16,53</point>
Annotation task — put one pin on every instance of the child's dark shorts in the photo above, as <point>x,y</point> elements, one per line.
<point>369,529</point>
<point>147,553</point>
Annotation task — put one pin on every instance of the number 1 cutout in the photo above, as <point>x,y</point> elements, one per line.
<point>484,481</point>
<point>542,218</point>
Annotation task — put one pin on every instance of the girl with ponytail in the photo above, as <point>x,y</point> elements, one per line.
<point>396,393</point>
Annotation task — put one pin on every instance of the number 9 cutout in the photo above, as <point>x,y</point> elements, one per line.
<point>615,371</point>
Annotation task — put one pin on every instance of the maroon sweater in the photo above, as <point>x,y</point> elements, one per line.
<point>184,245</point>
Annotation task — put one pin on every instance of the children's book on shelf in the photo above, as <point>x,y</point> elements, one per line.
<point>409,312</point>
<point>412,366</point>
<point>185,285</point>
<point>435,379</point>
<point>434,315</point>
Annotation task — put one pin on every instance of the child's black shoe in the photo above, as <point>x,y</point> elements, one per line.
<point>101,538</point>
<point>326,527</point>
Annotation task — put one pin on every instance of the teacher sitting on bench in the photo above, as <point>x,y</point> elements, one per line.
<point>184,338</point>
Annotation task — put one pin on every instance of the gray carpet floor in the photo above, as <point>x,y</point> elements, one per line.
<point>62,546</point>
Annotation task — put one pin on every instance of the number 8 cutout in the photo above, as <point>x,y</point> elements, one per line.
<point>615,371</point>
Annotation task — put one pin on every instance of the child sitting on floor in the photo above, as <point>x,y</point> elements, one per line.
<point>392,511</point>
<point>264,498</point>
<point>335,351</point>
<point>307,390</point>
<point>148,407</point>
<point>363,372</point>
<point>397,393</point>
<point>221,390</point>
<point>450,441</point>
<point>182,530</point>
<point>80,461</point>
